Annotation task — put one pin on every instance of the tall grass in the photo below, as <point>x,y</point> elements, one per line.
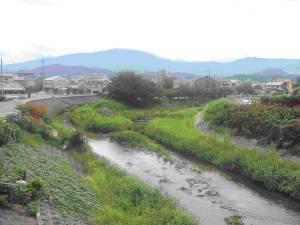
<point>135,139</point>
<point>266,168</point>
<point>125,199</point>
<point>90,118</point>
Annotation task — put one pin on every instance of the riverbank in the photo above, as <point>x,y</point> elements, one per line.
<point>210,195</point>
<point>87,188</point>
<point>241,141</point>
<point>174,128</point>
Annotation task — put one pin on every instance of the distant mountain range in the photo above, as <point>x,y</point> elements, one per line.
<point>57,69</point>
<point>123,59</point>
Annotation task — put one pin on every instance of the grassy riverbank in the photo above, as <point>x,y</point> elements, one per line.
<point>95,190</point>
<point>174,128</point>
<point>266,168</point>
<point>274,124</point>
<point>125,199</point>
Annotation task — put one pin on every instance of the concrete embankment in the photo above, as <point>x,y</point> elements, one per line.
<point>55,104</point>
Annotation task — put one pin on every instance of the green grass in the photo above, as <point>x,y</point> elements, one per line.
<point>266,168</point>
<point>125,199</point>
<point>70,192</point>
<point>135,139</point>
<point>90,118</point>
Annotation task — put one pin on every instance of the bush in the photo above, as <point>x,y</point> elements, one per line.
<point>3,201</point>
<point>37,111</point>
<point>89,118</point>
<point>9,132</point>
<point>35,188</point>
<point>270,123</point>
<point>285,100</point>
<point>31,208</point>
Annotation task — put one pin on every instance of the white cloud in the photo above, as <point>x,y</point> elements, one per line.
<point>185,29</point>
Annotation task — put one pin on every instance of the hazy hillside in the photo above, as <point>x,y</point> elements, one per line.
<point>56,69</point>
<point>120,59</point>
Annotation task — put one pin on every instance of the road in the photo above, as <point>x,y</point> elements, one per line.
<point>10,106</point>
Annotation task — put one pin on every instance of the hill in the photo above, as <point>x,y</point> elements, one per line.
<point>57,69</point>
<point>122,59</point>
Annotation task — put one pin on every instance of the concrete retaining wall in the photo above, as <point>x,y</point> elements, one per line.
<point>55,104</point>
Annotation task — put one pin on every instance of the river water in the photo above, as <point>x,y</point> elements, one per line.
<point>207,193</point>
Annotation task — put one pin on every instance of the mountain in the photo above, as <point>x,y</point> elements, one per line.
<point>57,69</point>
<point>122,59</point>
<point>271,72</point>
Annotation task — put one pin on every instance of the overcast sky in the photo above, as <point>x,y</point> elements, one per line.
<point>176,29</point>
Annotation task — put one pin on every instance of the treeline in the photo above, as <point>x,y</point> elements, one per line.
<point>137,90</point>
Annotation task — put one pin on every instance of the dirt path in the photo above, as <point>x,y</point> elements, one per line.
<point>241,141</point>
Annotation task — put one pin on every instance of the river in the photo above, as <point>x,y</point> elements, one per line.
<point>209,194</point>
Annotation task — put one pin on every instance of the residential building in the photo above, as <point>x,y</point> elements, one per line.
<point>12,89</point>
<point>56,85</point>
<point>287,83</point>
<point>183,82</point>
<point>206,82</point>
<point>277,86</point>
<point>94,84</point>
<point>226,83</point>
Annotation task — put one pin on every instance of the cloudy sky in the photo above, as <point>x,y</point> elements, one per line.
<point>176,29</point>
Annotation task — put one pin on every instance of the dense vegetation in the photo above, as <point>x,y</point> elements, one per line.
<point>174,127</point>
<point>67,190</point>
<point>133,89</point>
<point>177,132</point>
<point>100,117</point>
<point>270,123</point>
<point>283,100</point>
<point>103,194</point>
<point>125,199</point>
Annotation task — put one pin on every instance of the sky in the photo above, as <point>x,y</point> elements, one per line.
<point>194,30</point>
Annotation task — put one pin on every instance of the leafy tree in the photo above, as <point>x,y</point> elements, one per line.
<point>133,89</point>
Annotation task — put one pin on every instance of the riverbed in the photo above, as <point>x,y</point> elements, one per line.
<point>209,194</point>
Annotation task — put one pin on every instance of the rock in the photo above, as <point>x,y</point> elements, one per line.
<point>106,111</point>
<point>212,193</point>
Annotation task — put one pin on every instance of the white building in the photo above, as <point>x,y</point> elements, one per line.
<point>55,85</point>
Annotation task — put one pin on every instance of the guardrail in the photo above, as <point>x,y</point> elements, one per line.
<point>17,112</point>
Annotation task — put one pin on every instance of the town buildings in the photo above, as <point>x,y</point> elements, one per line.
<point>77,85</point>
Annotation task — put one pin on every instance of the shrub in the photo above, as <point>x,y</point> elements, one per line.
<point>269,123</point>
<point>31,208</point>
<point>9,132</point>
<point>35,187</point>
<point>37,111</point>
<point>3,201</point>
<point>285,100</point>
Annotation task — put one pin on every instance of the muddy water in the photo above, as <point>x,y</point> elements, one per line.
<point>207,193</point>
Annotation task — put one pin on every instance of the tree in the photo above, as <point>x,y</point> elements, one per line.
<point>133,89</point>
<point>245,88</point>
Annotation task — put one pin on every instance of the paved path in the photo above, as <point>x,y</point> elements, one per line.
<point>239,140</point>
<point>10,106</point>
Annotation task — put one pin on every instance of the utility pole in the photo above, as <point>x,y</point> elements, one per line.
<point>43,68</point>
<point>1,77</point>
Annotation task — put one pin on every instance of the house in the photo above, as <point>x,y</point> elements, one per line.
<point>12,89</point>
<point>56,85</point>
<point>94,84</point>
<point>206,82</point>
<point>277,86</point>
<point>183,82</point>
<point>287,83</point>
<point>226,83</point>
